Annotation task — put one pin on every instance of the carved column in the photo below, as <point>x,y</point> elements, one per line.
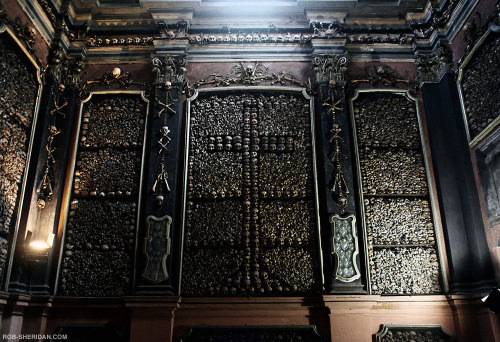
<point>336,184</point>
<point>156,265</point>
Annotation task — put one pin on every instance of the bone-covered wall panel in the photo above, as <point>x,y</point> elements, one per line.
<point>405,270</point>
<point>100,237</point>
<point>18,95</point>
<point>480,84</point>
<point>398,221</point>
<point>392,172</point>
<point>250,217</point>
<point>401,241</point>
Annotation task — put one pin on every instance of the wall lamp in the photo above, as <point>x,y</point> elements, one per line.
<point>38,244</point>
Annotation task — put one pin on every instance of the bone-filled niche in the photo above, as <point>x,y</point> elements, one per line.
<point>18,97</point>
<point>100,238</point>
<point>250,225</point>
<point>402,253</point>
<point>480,83</point>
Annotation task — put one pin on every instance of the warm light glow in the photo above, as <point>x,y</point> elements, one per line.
<point>39,245</point>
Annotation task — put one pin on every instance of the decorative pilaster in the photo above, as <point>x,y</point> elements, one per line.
<point>336,185</point>
<point>162,188</point>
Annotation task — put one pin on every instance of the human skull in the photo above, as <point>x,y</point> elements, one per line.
<point>116,72</point>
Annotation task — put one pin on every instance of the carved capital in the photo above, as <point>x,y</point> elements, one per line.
<point>65,69</point>
<point>330,67</point>
<point>432,66</point>
<point>169,68</point>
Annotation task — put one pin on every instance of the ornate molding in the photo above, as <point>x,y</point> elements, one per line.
<point>122,41</point>
<point>421,333</point>
<point>438,18</point>
<point>431,67</point>
<point>47,10</point>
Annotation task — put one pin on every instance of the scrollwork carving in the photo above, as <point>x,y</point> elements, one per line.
<point>330,67</point>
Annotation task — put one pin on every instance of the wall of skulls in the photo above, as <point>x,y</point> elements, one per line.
<point>480,84</point>
<point>402,250</point>
<point>18,93</point>
<point>250,224</point>
<point>101,228</point>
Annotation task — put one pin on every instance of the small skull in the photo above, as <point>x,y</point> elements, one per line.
<point>159,200</point>
<point>116,72</point>
<point>164,131</point>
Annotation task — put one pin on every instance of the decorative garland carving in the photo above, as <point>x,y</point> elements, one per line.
<point>383,76</point>
<point>251,75</point>
<point>124,80</point>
